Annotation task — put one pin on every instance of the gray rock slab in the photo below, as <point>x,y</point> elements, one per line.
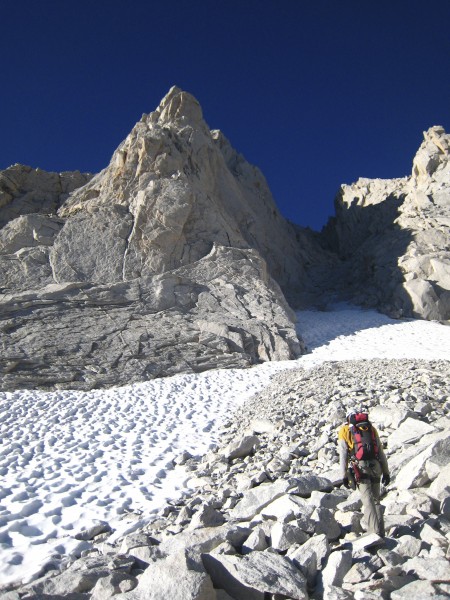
<point>255,499</point>
<point>306,484</point>
<point>366,541</point>
<point>414,473</point>
<point>328,500</point>
<point>250,577</point>
<point>173,305</point>
<point>333,592</point>
<point>257,540</point>
<point>422,590</point>
<point>241,447</point>
<point>358,572</point>
<point>440,488</point>
<point>318,544</point>
<point>408,546</point>
<point>176,577</point>
<point>207,516</point>
<point>326,523</point>
<point>113,584</point>
<point>337,566</point>
<point>205,539</point>
<point>305,559</point>
<point>431,569</point>
<point>286,508</point>
<point>70,582</point>
<point>409,432</point>
<point>285,535</point>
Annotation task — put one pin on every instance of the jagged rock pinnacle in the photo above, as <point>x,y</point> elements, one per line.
<point>178,106</point>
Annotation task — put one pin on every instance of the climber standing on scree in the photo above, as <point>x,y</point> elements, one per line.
<point>363,463</point>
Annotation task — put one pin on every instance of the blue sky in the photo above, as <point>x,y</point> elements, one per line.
<point>314,93</point>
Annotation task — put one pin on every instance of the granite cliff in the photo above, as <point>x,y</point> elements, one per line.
<point>169,260</point>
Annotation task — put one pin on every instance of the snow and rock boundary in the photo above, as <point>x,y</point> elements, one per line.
<point>264,512</point>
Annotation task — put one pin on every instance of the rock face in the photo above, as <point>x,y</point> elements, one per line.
<point>27,191</point>
<point>223,311</point>
<point>165,262</point>
<point>280,537</point>
<point>392,237</point>
<point>173,189</point>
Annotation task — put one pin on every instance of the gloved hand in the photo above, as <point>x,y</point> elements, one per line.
<point>386,479</point>
<point>345,482</point>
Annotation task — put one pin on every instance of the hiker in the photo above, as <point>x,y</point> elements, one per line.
<point>363,463</point>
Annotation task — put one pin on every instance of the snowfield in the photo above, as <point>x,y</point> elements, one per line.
<point>71,459</point>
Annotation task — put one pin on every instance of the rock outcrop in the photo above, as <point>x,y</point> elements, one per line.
<point>392,237</point>
<point>268,514</point>
<point>165,262</point>
<point>222,311</point>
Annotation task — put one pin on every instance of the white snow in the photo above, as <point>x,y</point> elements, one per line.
<point>70,459</point>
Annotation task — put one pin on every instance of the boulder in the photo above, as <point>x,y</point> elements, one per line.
<point>284,535</point>
<point>336,568</point>
<point>408,546</point>
<point>440,487</point>
<point>326,523</point>
<point>205,539</point>
<point>241,447</point>
<point>113,585</point>
<point>255,499</point>
<point>369,540</point>
<point>408,432</point>
<point>414,473</point>
<point>424,590</point>
<point>177,577</point>
<point>206,516</point>
<point>82,576</point>
<point>306,484</point>
<point>287,508</point>
<point>252,576</point>
<point>430,569</point>
<point>317,544</point>
<point>257,540</point>
<point>358,572</point>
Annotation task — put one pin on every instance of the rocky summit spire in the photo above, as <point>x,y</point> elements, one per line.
<point>178,107</point>
<point>181,189</point>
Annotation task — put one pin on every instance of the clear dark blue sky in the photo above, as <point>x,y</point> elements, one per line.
<point>316,93</point>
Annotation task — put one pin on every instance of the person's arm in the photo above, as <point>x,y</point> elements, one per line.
<point>381,455</point>
<point>343,456</point>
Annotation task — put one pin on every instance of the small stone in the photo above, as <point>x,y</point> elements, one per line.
<point>358,572</point>
<point>256,541</point>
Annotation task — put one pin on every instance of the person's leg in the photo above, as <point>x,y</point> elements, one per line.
<point>370,506</point>
<point>378,507</point>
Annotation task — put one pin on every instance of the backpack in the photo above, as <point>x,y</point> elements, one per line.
<point>365,445</point>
